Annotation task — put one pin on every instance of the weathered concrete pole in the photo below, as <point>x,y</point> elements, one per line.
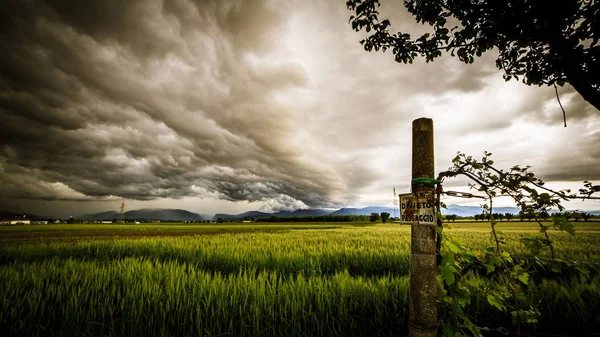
<point>423,269</point>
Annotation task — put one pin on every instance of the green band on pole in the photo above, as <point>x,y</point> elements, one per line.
<point>418,181</point>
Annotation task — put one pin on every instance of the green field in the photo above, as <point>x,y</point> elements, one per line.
<point>318,279</point>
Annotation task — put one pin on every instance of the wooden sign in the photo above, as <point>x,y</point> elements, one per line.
<point>419,209</point>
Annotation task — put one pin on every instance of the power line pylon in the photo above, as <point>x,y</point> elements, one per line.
<point>122,219</point>
<point>395,204</point>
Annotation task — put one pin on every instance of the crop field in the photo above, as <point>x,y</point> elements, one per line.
<point>316,279</point>
<point>14,233</point>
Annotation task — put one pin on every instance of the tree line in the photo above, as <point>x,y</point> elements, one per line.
<point>374,217</point>
<point>317,218</point>
<point>522,216</point>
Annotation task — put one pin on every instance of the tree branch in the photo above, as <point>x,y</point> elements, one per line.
<point>561,107</point>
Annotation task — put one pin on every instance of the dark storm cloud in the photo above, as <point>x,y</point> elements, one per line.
<point>577,161</point>
<point>145,99</point>
<point>268,101</point>
<point>576,108</point>
<point>448,76</point>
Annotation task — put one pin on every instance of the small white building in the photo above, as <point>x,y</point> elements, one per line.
<point>20,222</point>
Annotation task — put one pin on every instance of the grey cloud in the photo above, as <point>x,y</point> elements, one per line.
<point>358,101</point>
<point>448,75</point>
<point>576,108</point>
<point>169,99</point>
<point>148,100</point>
<point>282,203</point>
<point>577,161</point>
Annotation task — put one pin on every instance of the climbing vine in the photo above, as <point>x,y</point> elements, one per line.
<point>460,267</point>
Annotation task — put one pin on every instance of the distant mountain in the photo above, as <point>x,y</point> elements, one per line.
<point>452,209</point>
<point>303,212</point>
<point>146,214</point>
<point>258,215</point>
<point>99,216</point>
<point>206,216</point>
<point>245,215</point>
<point>364,211</point>
<point>11,215</point>
<point>183,215</point>
<point>162,214</point>
<point>307,212</point>
<point>472,210</point>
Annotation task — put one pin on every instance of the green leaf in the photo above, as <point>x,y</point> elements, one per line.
<point>524,278</point>
<point>489,267</point>
<point>501,291</point>
<point>447,273</point>
<point>447,259</point>
<point>506,256</point>
<point>453,246</point>
<point>474,283</point>
<point>463,296</point>
<point>520,295</point>
<point>495,302</point>
<point>567,227</point>
<point>496,260</point>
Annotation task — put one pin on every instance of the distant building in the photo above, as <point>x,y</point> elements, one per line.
<point>39,222</point>
<point>20,221</point>
<point>106,221</point>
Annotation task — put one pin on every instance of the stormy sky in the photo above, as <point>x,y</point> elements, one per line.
<point>236,105</point>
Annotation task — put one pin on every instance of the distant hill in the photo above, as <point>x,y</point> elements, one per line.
<point>258,215</point>
<point>245,215</point>
<point>306,212</point>
<point>99,216</point>
<point>206,216</point>
<point>12,215</point>
<point>303,212</point>
<point>183,215</point>
<point>472,210</point>
<point>162,214</point>
<point>364,211</point>
<point>146,214</point>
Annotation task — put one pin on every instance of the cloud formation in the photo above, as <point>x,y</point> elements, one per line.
<point>148,99</point>
<point>273,102</point>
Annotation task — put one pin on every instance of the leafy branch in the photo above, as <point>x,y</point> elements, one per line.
<point>459,266</point>
<point>527,191</point>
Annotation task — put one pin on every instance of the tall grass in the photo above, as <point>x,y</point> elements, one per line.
<point>343,282</point>
<point>311,252</point>
<point>140,297</point>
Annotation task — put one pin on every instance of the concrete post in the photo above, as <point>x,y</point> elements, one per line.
<point>423,268</point>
